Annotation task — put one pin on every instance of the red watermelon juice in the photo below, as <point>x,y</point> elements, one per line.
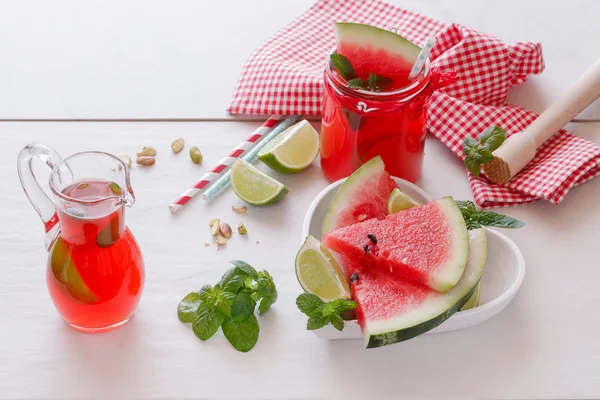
<point>359,124</point>
<point>95,270</point>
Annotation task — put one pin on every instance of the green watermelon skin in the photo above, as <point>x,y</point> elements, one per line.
<point>427,245</point>
<point>364,195</point>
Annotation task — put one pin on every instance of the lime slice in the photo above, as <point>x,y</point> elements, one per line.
<point>293,150</point>
<point>399,201</point>
<point>65,272</point>
<point>318,272</point>
<point>254,186</point>
<point>473,301</point>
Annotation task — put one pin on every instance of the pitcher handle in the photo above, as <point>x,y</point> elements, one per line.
<point>37,196</point>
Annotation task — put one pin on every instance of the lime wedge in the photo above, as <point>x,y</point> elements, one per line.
<point>473,301</point>
<point>399,201</point>
<point>318,272</point>
<point>293,150</point>
<point>65,272</point>
<point>254,186</point>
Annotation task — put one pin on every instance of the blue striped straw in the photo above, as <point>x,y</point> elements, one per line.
<point>250,157</point>
<point>425,50</point>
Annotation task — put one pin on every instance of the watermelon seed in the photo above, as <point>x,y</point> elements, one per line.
<point>367,249</point>
<point>362,217</point>
<point>372,237</point>
<point>354,277</point>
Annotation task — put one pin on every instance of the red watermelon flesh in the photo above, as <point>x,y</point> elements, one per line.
<point>427,245</point>
<point>379,51</point>
<point>391,309</point>
<point>364,195</point>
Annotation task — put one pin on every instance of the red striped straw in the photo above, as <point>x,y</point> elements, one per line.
<point>214,173</point>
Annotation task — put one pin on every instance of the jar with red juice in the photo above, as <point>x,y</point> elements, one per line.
<point>359,124</point>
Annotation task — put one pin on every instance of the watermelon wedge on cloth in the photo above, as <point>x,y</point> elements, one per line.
<point>373,50</point>
<point>391,310</point>
<point>427,245</point>
<point>364,195</point>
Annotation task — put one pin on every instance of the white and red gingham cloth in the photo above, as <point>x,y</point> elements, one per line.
<point>284,76</point>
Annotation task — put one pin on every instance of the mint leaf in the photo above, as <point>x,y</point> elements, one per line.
<point>316,322</point>
<point>206,294</point>
<point>484,155</point>
<point>207,322</point>
<point>356,83</point>
<point>267,291</point>
<point>224,302</point>
<point>247,268</point>
<point>473,165</point>
<point>470,145</point>
<point>242,307</point>
<point>321,313</point>
<point>343,66</point>
<point>372,82</point>
<point>187,309</point>
<point>308,303</point>
<point>476,218</point>
<point>326,309</point>
<point>478,152</point>
<point>233,280</point>
<point>492,138</point>
<point>488,218</point>
<point>337,322</point>
<point>342,305</point>
<point>242,335</point>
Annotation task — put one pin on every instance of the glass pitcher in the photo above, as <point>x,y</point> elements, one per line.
<point>95,270</point>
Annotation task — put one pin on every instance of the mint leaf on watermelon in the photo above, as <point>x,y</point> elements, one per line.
<point>320,313</point>
<point>476,218</point>
<point>356,83</point>
<point>343,66</point>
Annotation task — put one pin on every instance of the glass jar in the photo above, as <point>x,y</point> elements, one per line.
<point>358,125</point>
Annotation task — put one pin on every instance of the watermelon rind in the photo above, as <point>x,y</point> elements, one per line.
<point>437,308</point>
<point>450,273</point>
<point>345,197</point>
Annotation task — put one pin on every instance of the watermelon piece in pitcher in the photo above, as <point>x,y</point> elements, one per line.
<point>427,245</point>
<point>364,195</point>
<point>373,50</point>
<point>392,310</point>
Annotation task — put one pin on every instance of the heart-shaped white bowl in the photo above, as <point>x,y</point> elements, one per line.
<point>502,278</point>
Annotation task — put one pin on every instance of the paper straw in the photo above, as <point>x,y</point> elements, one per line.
<point>250,157</point>
<point>425,50</point>
<point>224,163</point>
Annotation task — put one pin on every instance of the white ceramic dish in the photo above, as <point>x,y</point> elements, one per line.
<point>502,278</point>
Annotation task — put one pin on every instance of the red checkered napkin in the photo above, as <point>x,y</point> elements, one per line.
<point>284,76</point>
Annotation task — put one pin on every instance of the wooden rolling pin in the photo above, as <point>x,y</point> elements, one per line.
<point>519,149</point>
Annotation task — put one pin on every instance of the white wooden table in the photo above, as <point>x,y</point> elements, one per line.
<point>144,60</point>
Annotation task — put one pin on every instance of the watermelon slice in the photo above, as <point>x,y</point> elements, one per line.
<point>427,245</point>
<point>364,195</point>
<point>391,310</point>
<point>373,50</point>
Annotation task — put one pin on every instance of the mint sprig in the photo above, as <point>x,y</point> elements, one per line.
<point>320,313</point>
<point>343,66</point>
<point>476,218</point>
<point>230,305</point>
<point>479,152</point>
